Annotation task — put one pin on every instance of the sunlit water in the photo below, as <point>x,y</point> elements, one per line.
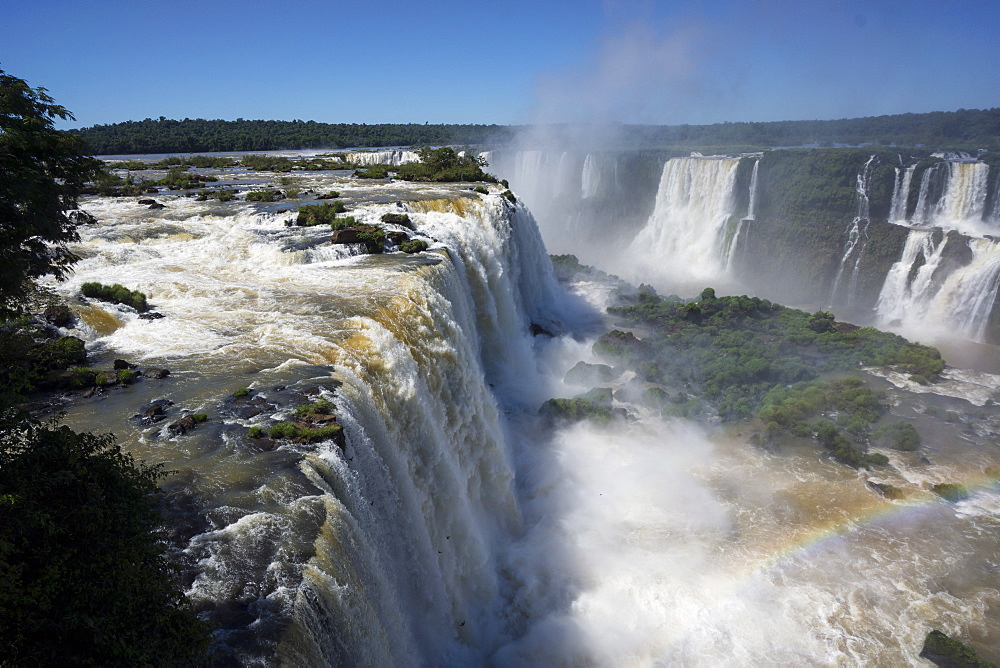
<point>454,529</point>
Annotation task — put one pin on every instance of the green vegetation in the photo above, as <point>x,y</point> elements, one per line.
<point>595,405</point>
<point>223,195</point>
<point>242,392</point>
<point>116,294</point>
<point>199,417</point>
<point>267,163</point>
<point>951,653</point>
<point>84,574</point>
<point>856,409</point>
<point>126,376</point>
<point>965,128</point>
<point>951,491</point>
<point>373,172</point>
<point>509,196</point>
<point>180,179</point>
<point>482,190</point>
<point>443,164</point>
<point>898,436</point>
<point>733,350</point>
<point>413,246</point>
<point>256,432</point>
<point>319,214</point>
<point>397,219</point>
<point>321,407</point>
<point>344,222</point>
<point>84,579</point>
<point>292,432</point>
<point>266,195</point>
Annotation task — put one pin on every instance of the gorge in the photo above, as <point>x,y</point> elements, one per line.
<point>453,526</point>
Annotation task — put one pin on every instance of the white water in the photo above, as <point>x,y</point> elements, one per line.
<point>857,233</point>
<point>901,194</point>
<point>961,203</point>
<point>454,531</point>
<point>393,157</point>
<point>683,238</point>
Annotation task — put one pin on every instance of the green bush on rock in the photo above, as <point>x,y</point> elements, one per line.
<point>116,294</point>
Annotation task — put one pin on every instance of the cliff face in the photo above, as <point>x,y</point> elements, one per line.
<point>879,235</point>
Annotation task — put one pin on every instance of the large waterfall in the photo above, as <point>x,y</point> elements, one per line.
<point>456,528</point>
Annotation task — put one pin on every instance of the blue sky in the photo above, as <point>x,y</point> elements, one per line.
<point>504,62</point>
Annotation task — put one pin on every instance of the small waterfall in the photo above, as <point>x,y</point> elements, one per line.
<point>685,236</point>
<point>752,206</point>
<point>591,177</point>
<point>900,194</point>
<point>930,192</point>
<point>857,235</point>
<point>965,194</point>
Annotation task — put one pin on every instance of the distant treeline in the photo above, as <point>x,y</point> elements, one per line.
<point>968,129</point>
<point>164,135</point>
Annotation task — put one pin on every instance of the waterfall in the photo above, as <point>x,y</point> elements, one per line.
<point>908,290</point>
<point>900,194</point>
<point>857,233</point>
<point>966,298</point>
<point>685,236</point>
<point>752,206</point>
<point>929,192</point>
<point>392,157</point>
<point>591,178</point>
<point>964,196</point>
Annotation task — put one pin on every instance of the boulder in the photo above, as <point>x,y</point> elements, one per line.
<point>182,426</point>
<point>588,375</point>
<point>156,372</point>
<point>157,205</point>
<point>147,202</point>
<point>150,315</point>
<point>349,235</point>
<point>81,217</point>
<point>59,315</point>
<point>398,238</point>
<point>538,330</point>
<point>122,364</point>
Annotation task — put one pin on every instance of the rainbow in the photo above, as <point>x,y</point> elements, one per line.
<point>819,537</point>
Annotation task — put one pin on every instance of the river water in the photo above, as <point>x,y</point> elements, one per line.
<point>453,529</point>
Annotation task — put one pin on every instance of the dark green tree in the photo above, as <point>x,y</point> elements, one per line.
<point>42,171</point>
<point>84,576</point>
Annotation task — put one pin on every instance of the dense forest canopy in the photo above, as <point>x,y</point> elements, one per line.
<point>969,129</point>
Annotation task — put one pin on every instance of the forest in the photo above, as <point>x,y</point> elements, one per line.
<point>966,129</point>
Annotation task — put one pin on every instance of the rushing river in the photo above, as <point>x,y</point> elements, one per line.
<point>453,529</point>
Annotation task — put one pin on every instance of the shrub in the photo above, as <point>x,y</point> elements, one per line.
<point>268,195</point>
<point>373,172</point>
<point>199,417</point>
<point>322,406</point>
<point>343,223</point>
<point>255,432</point>
<point>242,392</point>
<point>482,190</point>
<point>116,294</point>
<point>126,376</point>
<point>397,219</point>
<point>414,246</point>
<point>509,196</point>
<point>319,214</point>
<point>289,431</point>
<point>897,435</point>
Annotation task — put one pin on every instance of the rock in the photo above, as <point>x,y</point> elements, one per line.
<point>951,492</point>
<point>888,491</point>
<point>182,426</point>
<point>81,217</point>
<point>588,375</point>
<point>157,205</point>
<point>947,652</point>
<point>398,238</point>
<point>349,235</point>
<point>153,412</point>
<point>155,372</point>
<point>150,315</point>
<point>122,364</point>
<point>147,202</point>
<point>538,330</point>
<point>90,392</point>
<point>59,315</point>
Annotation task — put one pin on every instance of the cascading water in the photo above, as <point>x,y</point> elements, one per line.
<point>683,238</point>
<point>909,289</point>
<point>453,529</point>
<point>857,236</point>
<point>394,157</point>
<point>591,177</point>
<point>901,194</point>
<point>745,222</point>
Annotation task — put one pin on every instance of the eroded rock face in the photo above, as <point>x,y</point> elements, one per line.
<point>182,426</point>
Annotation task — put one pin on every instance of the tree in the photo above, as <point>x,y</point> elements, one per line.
<point>42,172</point>
<point>84,576</point>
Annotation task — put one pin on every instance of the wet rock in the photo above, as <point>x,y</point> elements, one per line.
<point>588,375</point>
<point>59,315</point>
<point>147,201</point>
<point>153,412</point>
<point>888,491</point>
<point>247,408</point>
<point>81,217</point>
<point>947,652</point>
<point>122,364</point>
<point>155,372</point>
<point>349,235</point>
<point>397,238</point>
<point>538,330</point>
<point>182,426</point>
<point>150,315</point>
<point>90,392</point>
<point>157,205</point>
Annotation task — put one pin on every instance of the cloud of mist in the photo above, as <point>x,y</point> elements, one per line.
<point>635,74</point>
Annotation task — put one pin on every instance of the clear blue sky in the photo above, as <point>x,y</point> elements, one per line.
<point>504,62</point>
